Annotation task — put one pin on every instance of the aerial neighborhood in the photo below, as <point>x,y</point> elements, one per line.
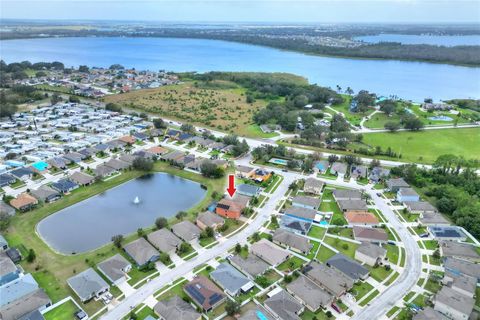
<point>108,212</point>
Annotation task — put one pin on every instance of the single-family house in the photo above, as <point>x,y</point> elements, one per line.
<point>252,265</point>
<point>186,231</point>
<point>461,283</point>
<point>292,240</point>
<point>209,219</point>
<point>321,166</point>
<point>141,252</point>
<point>229,208</point>
<point>24,202</point>
<point>419,207</point>
<point>24,297</point>
<point>269,252</point>
<point>103,171</point>
<point>348,266</point>
<point>46,194</point>
<point>306,202</point>
<point>115,269</point>
<point>248,190</point>
<point>358,171</point>
<point>346,194</point>
<point>74,157</point>
<point>22,173</point>
<point>82,178</point>
<point>284,306</point>
<point>429,314</point>
<point>407,194</point>
<point>8,269</point>
<point>204,293</point>
<point>164,240</point>
<point>231,280</point>
<point>459,267</point>
<point>14,254</point>
<point>447,233</point>
<point>117,164</point>
<point>370,254</point>
<point>367,234</point>
<point>176,308</point>
<point>129,140</point>
<point>395,184</point>
<point>433,219</point>
<point>6,209</point>
<point>295,225</point>
<point>378,174</point>
<point>309,293</point>
<point>6,179</point>
<point>459,250</point>
<point>301,213</point>
<point>64,185</point>
<point>339,169</point>
<point>88,284</point>
<point>355,218</point>
<point>352,205</point>
<point>260,175</point>
<point>330,279</point>
<point>244,171</point>
<point>313,186</point>
<point>452,304</point>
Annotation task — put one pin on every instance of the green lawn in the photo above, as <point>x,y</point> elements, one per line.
<point>136,275</point>
<point>342,232</point>
<point>145,312</point>
<point>392,253</point>
<point>317,232</point>
<point>360,289</point>
<point>65,311</point>
<point>347,248</point>
<point>319,315</point>
<point>392,279</point>
<point>430,244</point>
<point>433,285</point>
<point>176,290</point>
<point>380,273</point>
<point>313,251</point>
<point>291,264</point>
<point>369,298</point>
<point>254,131</point>
<point>324,254</point>
<point>425,146</point>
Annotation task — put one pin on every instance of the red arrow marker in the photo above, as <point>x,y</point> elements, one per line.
<point>231,185</point>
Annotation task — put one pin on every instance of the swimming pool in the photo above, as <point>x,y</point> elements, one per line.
<point>441,118</point>
<point>282,162</point>
<point>323,223</point>
<point>40,165</point>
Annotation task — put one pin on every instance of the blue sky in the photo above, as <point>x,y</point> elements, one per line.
<point>313,11</point>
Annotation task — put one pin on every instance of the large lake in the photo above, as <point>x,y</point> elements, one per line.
<point>91,223</point>
<point>409,80</point>
<point>435,40</point>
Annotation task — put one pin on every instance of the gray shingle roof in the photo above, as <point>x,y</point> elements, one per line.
<point>347,205</point>
<point>284,305</point>
<point>269,252</point>
<point>186,230</point>
<point>210,219</point>
<point>309,292</point>
<point>331,279</point>
<point>113,268</point>
<point>229,278</point>
<point>176,309</point>
<point>349,267</point>
<point>81,178</point>
<point>304,213</point>
<point>86,283</point>
<point>347,194</point>
<point>454,300</point>
<point>141,251</point>
<point>292,240</point>
<point>308,201</point>
<point>371,250</point>
<point>164,240</point>
<point>252,265</point>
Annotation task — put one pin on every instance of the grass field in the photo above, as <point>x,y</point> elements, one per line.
<point>425,146</point>
<point>50,269</point>
<point>65,311</point>
<point>221,105</point>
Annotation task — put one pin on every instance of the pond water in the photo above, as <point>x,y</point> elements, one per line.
<point>441,118</point>
<point>409,80</point>
<point>91,223</point>
<point>435,40</point>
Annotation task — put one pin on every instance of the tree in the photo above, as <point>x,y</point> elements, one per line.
<point>238,248</point>
<point>184,248</point>
<point>140,232</point>
<point>412,123</point>
<point>159,123</point>
<point>180,215</point>
<point>262,281</point>
<point>117,240</point>
<point>113,107</point>
<point>232,307</point>
<point>256,236</point>
<point>55,98</point>
<point>211,170</point>
<point>74,99</point>
<point>332,158</point>
<point>161,222</point>
<point>5,219</point>
<point>187,127</point>
<point>83,68</point>
<point>142,164</point>
<point>388,107</point>
<point>31,256</point>
<point>392,126</point>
